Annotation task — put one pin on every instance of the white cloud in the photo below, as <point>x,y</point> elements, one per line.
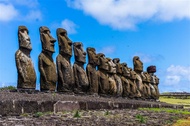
<point>8,12</point>
<point>19,10</point>
<point>69,25</point>
<point>107,50</point>
<point>126,14</point>
<point>177,74</point>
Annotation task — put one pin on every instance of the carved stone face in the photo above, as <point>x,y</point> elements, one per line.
<point>65,44</point>
<point>24,39</point>
<point>80,54</point>
<point>148,77</point>
<point>118,65</point>
<point>103,62</point>
<point>46,39</point>
<point>156,79</point>
<point>112,66</point>
<point>92,57</point>
<point>125,71</point>
<point>132,74</point>
<point>138,65</point>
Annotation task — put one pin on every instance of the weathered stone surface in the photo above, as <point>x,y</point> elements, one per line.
<point>66,80</point>
<point>91,70</point>
<point>47,68</point>
<point>81,79</point>
<point>61,106</point>
<point>25,68</point>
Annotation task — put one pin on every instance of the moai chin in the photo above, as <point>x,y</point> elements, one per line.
<point>111,72</point>
<point>64,68</point>
<point>81,79</point>
<point>138,68</point>
<point>47,68</point>
<point>154,82</point>
<point>118,76</point>
<point>25,68</point>
<point>91,71</point>
<point>103,80</point>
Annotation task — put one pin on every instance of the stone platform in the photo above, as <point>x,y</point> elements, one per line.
<point>16,103</point>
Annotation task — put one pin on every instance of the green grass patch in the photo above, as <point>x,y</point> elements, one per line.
<point>8,88</point>
<point>141,118</point>
<point>177,101</point>
<point>168,110</point>
<point>77,114</point>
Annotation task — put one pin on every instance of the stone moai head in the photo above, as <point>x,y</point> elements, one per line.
<point>147,77</point>
<point>132,74</point>
<point>92,57</point>
<point>138,65</point>
<point>118,65</point>
<point>112,66</point>
<point>125,70</point>
<point>65,44</point>
<point>46,39</point>
<point>79,53</point>
<point>103,62</point>
<point>23,38</point>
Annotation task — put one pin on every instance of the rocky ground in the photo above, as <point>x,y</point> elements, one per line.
<point>124,117</point>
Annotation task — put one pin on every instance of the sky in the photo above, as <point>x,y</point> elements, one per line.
<point>158,31</point>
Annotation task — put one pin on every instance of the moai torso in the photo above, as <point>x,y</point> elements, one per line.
<point>81,79</point>
<point>118,76</point>
<point>91,70</point>
<point>64,69</point>
<point>47,68</point>
<point>103,78</point>
<point>25,68</point>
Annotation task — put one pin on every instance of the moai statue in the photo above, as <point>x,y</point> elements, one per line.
<point>81,79</point>
<point>111,72</point>
<point>91,71</point>
<point>47,68</point>
<point>118,76</point>
<point>146,81</point>
<point>138,68</point>
<point>25,68</point>
<point>132,81</point>
<point>125,83</point>
<point>103,79</point>
<point>154,82</point>
<point>65,71</point>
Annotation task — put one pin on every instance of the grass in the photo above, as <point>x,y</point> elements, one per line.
<point>185,102</point>
<point>182,122</point>
<point>8,88</point>
<point>141,118</point>
<point>77,114</point>
<point>168,110</point>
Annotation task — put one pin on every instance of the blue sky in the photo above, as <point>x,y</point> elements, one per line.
<point>157,31</point>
